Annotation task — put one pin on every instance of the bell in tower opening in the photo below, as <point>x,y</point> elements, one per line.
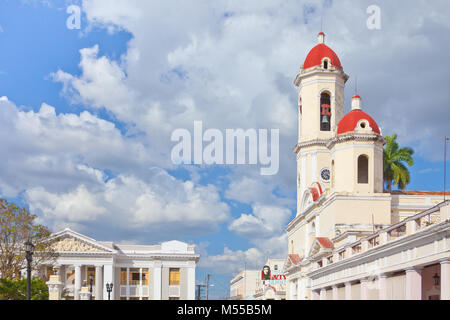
<point>325,112</point>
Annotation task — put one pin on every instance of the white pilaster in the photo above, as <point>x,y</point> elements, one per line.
<point>314,167</point>
<point>191,284</point>
<point>303,177</point>
<point>157,282</point>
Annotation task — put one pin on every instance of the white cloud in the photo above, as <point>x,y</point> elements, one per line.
<point>231,262</point>
<point>234,261</point>
<point>162,206</point>
<point>264,223</point>
<point>51,151</point>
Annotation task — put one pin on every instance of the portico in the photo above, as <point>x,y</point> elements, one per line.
<point>153,272</point>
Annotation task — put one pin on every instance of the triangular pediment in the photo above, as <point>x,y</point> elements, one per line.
<point>70,241</point>
<point>321,245</point>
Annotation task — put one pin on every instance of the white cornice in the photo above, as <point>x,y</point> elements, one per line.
<point>330,143</point>
<point>317,71</point>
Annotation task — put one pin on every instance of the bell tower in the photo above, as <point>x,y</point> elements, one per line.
<point>321,83</point>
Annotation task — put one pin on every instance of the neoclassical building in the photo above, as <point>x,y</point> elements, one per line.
<point>350,239</point>
<point>164,271</point>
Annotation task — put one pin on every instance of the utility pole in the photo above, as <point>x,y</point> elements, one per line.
<point>199,291</point>
<point>207,286</point>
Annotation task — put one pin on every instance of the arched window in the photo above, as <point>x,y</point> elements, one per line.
<point>325,64</point>
<point>363,169</point>
<point>313,229</point>
<point>325,112</point>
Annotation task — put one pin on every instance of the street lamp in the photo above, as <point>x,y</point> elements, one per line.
<point>91,281</point>
<point>109,288</point>
<point>437,280</point>
<point>29,248</point>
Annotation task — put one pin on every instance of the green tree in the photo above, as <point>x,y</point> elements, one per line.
<point>17,289</point>
<point>395,171</point>
<point>17,225</point>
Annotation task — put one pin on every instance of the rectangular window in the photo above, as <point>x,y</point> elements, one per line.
<point>90,271</point>
<point>145,277</point>
<point>174,298</point>
<point>174,276</point>
<point>123,276</point>
<point>134,277</point>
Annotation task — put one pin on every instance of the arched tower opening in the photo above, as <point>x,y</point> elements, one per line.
<point>363,169</point>
<point>325,111</point>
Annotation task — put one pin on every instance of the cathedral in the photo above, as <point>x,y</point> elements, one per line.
<point>350,238</point>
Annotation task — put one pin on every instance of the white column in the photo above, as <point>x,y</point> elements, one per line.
<point>364,293</point>
<point>108,277</point>
<point>301,289</point>
<point>77,289</point>
<point>413,284</point>
<point>99,283</point>
<point>445,280</point>
<point>335,293</point>
<point>62,275</point>
<point>315,295</point>
<point>348,291</point>
<point>382,281</point>
<point>191,283</point>
<point>157,282</point>
<point>323,294</point>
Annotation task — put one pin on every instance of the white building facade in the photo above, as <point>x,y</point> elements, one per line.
<point>350,238</point>
<point>137,272</point>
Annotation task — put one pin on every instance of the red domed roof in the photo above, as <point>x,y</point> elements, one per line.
<point>350,121</point>
<point>319,52</point>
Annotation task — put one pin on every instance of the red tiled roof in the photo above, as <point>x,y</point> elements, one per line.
<point>350,121</point>
<point>295,258</point>
<point>419,193</point>
<point>319,52</point>
<point>326,243</point>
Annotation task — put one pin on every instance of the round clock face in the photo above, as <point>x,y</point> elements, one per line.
<point>325,174</point>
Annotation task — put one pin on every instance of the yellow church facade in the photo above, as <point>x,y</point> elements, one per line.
<point>350,239</point>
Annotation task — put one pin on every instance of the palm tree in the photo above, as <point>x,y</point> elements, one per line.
<point>394,169</point>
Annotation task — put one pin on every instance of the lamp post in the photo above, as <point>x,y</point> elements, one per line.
<point>29,248</point>
<point>91,281</point>
<point>109,288</point>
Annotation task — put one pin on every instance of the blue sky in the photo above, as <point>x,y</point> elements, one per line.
<point>228,64</point>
